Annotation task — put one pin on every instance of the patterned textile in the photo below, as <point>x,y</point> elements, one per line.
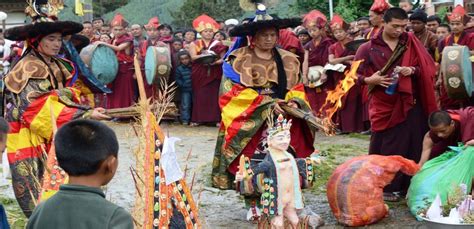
<point>30,108</point>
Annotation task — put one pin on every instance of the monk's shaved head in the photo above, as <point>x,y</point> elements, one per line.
<point>438,118</point>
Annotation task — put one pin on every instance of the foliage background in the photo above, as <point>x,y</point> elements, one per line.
<point>180,13</point>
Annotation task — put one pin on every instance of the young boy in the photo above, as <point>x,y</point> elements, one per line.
<point>183,80</point>
<point>87,151</point>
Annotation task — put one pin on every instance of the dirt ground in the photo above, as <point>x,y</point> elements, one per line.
<point>218,208</point>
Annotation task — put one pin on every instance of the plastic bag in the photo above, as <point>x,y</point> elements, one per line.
<point>355,189</point>
<point>440,175</point>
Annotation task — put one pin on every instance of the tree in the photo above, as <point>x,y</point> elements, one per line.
<point>217,9</point>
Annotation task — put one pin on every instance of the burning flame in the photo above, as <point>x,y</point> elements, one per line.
<point>334,97</point>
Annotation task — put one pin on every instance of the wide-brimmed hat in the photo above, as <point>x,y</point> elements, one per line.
<point>43,23</point>
<point>263,20</point>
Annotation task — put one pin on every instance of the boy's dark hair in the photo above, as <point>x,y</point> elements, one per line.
<point>82,145</point>
<point>439,118</point>
<point>98,19</point>
<point>162,26</point>
<point>394,13</point>
<point>222,33</point>
<point>177,40</point>
<point>190,30</point>
<point>434,18</point>
<point>87,22</point>
<point>105,25</point>
<point>106,34</point>
<point>363,19</point>
<point>4,128</point>
<point>445,26</point>
<point>182,52</point>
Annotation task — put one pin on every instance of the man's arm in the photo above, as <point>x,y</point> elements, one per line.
<point>427,146</point>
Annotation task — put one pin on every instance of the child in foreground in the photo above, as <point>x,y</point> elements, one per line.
<point>87,151</point>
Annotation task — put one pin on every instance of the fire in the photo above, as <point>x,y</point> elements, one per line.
<point>334,97</point>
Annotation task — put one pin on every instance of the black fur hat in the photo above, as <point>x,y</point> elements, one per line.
<point>263,20</point>
<point>42,24</point>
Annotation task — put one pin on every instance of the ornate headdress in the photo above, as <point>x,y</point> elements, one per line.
<point>44,22</point>
<point>459,14</point>
<point>338,22</point>
<point>380,6</point>
<point>119,20</point>
<point>262,20</point>
<point>281,124</point>
<point>154,22</point>
<point>204,22</point>
<point>314,18</point>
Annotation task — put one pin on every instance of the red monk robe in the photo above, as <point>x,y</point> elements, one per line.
<point>288,41</point>
<point>466,39</point>
<point>350,114</point>
<point>399,121</point>
<point>206,80</point>
<point>318,55</point>
<point>123,86</point>
<point>463,132</point>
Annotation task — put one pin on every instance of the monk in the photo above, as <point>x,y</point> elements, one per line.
<point>447,128</point>
<point>418,22</point>
<point>349,116</point>
<point>376,12</point>
<point>398,120</point>
<point>152,40</point>
<point>316,54</point>
<point>123,86</point>
<point>206,78</point>
<point>457,20</point>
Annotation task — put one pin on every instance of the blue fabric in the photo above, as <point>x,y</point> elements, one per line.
<point>226,67</point>
<point>90,79</point>
<point>186,106</point>
<point>183,78</point>
<point>3,218</point>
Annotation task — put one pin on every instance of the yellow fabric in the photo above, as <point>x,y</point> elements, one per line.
<point>42,122</point>
<point>79,8</point>
<point>296,94</point>
<point>22,140</point>
<point>237,105</point>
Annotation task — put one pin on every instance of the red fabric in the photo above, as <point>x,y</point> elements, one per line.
<point>119,20</point>
<point>466,118</point>
<point>314,18</point>
<point>122,87</point>
<point>206,82</point>
<point>122,55</point>
<point>338,22</point>
<point>154,22</point>
<point>288,40</point>
<point>386,111</point>
<point>379,6</point>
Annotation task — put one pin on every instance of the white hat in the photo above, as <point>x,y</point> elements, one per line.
<point>231,21</point>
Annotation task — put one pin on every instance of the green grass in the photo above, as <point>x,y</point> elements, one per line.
<point>16,218</point>
<point>359,136</point>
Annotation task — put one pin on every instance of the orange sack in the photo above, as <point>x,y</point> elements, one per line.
<point>355,189</point>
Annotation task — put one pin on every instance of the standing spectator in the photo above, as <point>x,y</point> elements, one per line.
<point>432,23</point>
<point>105,29</point>
<point>137,33</point>
<point>418,22</point>
<point>399,121</point>
<point>123,86</point>
<point>406,5</point>
<point>316,55</point>
<point>177,44</point>
<point>183,80</point>
<point>88,31</point>
<point>443,31</point>
<point>206,77</point>
<point>165,32</point>
<point>189,37</point>
<point>97,23</point>
<point>363,24</point>
<point>303,36</point>
<point>376,13</point>
<point>220,36</point>
<point>179,34</point>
